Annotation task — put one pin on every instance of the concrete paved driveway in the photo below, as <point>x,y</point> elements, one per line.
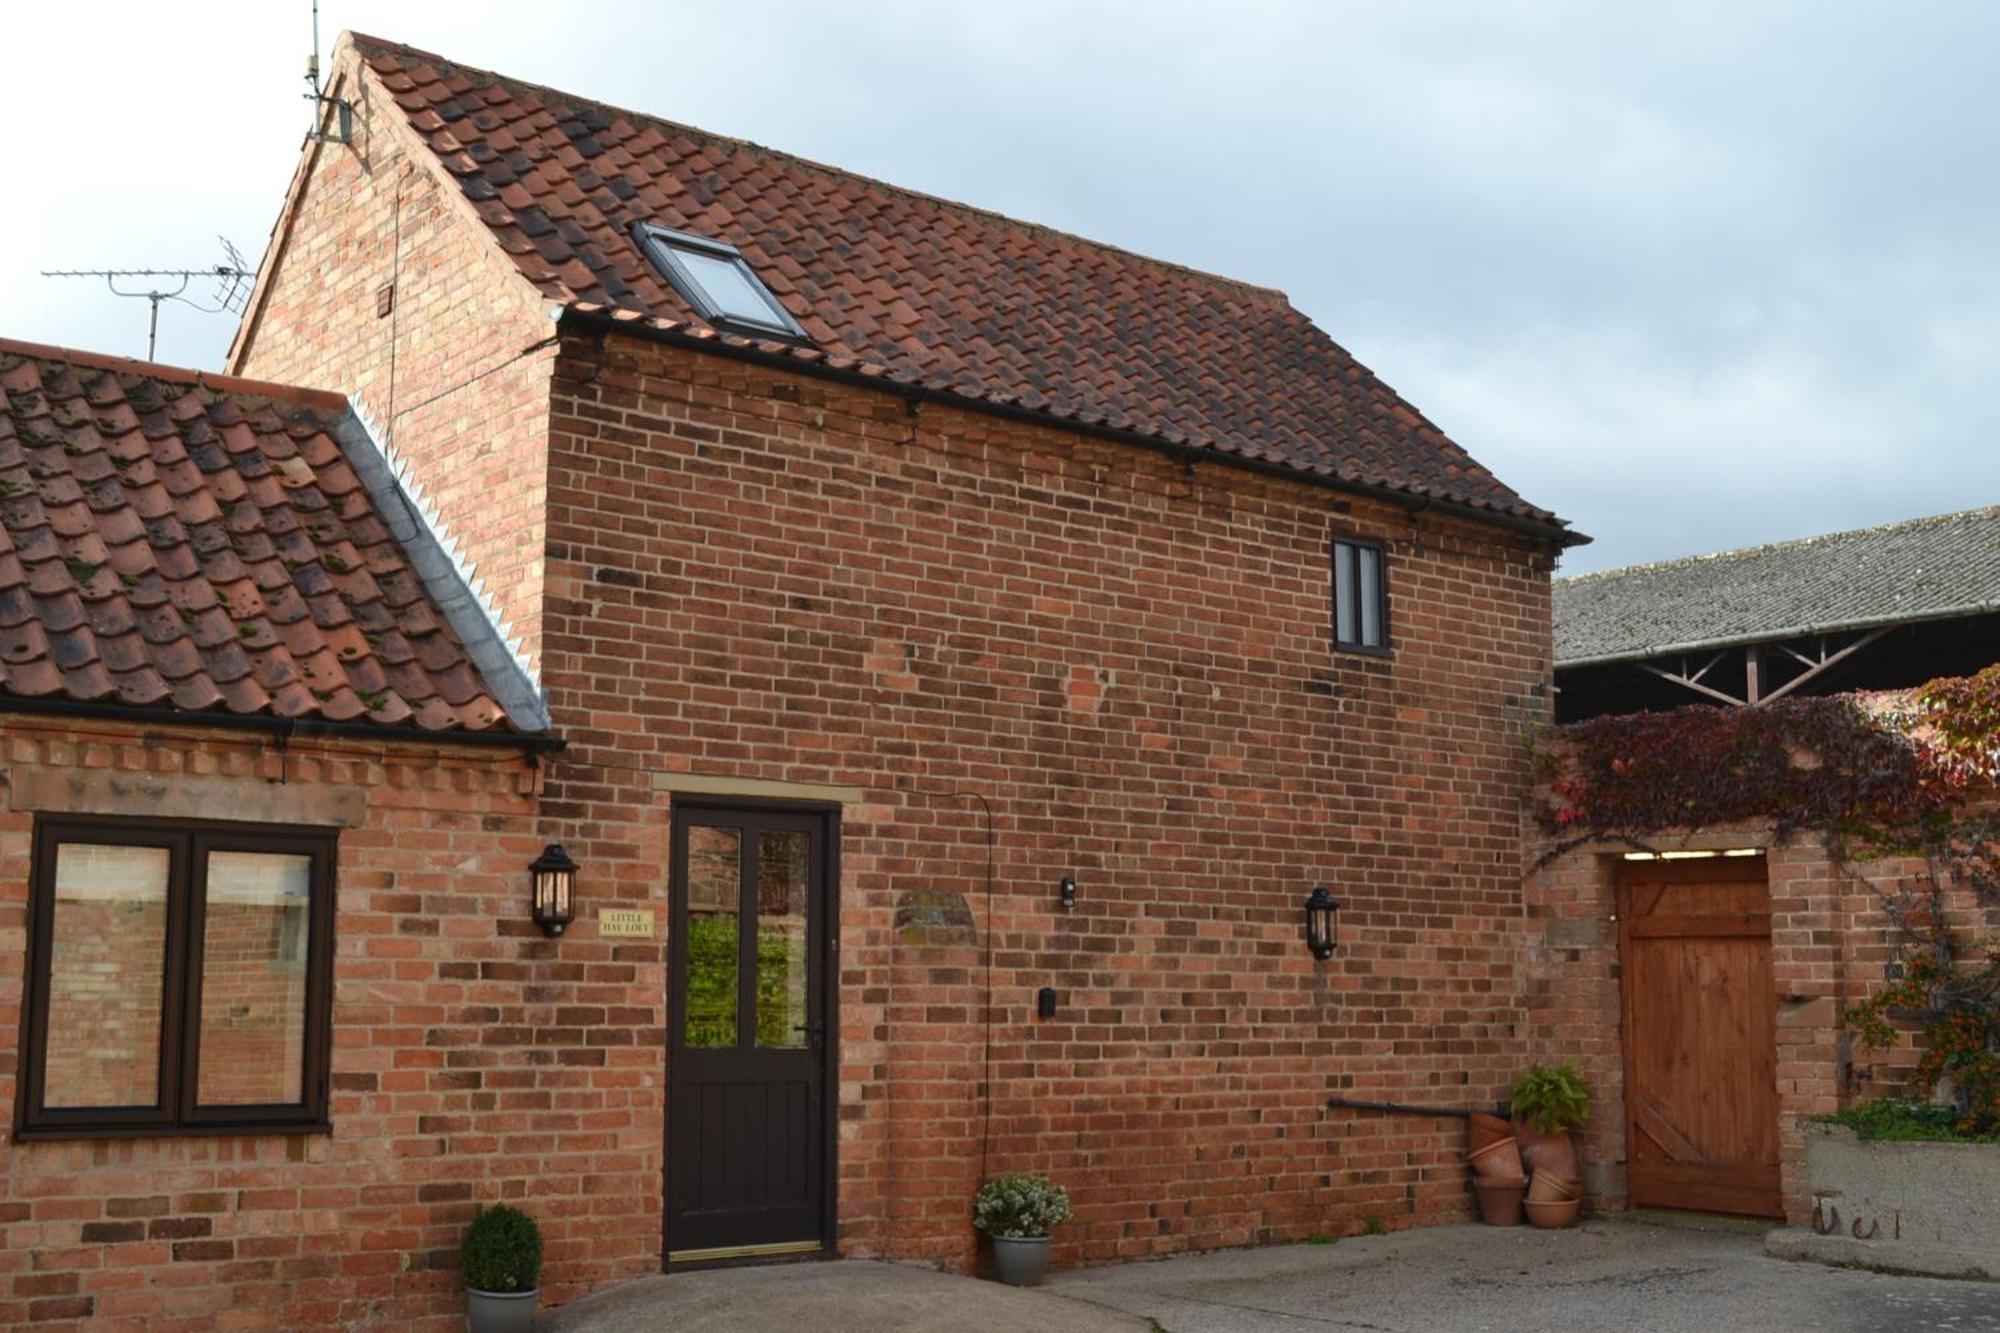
<point>851,1296</point>
<point>1602,1277</point>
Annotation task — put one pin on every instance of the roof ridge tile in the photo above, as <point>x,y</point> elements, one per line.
<point>905,287</point>
<point>643,120</point>
<point>1783,544</point>
<point>159,371</point>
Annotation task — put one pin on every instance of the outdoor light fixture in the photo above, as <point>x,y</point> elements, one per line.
<point>553,876</point>
<point>1322,923</point>
<point>1066,893</point>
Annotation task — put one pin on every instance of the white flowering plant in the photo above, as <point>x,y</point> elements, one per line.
<point>1019,1206</point>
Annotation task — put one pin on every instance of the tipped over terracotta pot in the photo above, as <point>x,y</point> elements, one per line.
<point>1498,1161</point>
<point>1483,1130</point>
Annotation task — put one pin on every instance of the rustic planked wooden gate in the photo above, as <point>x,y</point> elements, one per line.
<point>1701,1092</point>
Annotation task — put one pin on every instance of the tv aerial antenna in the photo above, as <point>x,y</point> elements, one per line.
<point>232,279</point>
<point>343,110</point>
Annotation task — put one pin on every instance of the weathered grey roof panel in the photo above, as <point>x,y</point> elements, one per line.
<point>1924,569</point>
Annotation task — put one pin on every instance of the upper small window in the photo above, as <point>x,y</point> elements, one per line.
<point>1360,596</point>
<point>714,278</point>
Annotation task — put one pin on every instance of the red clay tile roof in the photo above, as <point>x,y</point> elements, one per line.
<point>199,543</point>
<point>921,291</point>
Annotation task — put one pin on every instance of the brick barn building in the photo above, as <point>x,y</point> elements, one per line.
<point>969,646</point>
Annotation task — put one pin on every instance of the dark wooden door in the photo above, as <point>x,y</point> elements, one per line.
<point>1701,1089</point>
<point>749,1050</point>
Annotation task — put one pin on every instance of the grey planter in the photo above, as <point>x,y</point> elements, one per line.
<point>1902,1207</point>
<point>501,1311</point>
<point>1022,1262</point>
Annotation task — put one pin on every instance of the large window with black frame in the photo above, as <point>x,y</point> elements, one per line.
<point>179,979</point>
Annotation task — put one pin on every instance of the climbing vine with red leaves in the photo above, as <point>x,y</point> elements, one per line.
<point>1803,763</point>
<point>1876,777</point>
<point>1959,1007</point>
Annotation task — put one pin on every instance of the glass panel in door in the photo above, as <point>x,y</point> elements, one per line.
<point>782,865</point>
<point>714,898</point>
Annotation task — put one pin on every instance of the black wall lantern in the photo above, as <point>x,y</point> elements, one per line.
<point>553,876</point>
<point>1322,923</point>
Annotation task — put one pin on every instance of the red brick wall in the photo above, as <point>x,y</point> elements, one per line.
<point>758,575</point>
<point>473,1061</point>
<point>1829,943</point>
<point>446,374</point>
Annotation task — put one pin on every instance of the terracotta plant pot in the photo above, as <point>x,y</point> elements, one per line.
<point>1553,1216</point>
<point>1547,1187</point>
<point>1500,1201</point>
<point>1546,1152</point>
<point>1498,1161</point>
<point>1483,1130</point>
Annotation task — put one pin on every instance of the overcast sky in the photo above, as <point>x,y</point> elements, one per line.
<point>1692,275</point>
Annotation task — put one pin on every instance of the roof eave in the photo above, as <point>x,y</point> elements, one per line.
<point>286,728</point>
<point>597,319</point>
<point>1774,636</point>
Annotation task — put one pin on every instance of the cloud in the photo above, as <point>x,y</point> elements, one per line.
<point>1694,276</point>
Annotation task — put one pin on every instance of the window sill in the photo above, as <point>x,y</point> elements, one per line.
<point>1384,654</point>
<point>291,1128</point>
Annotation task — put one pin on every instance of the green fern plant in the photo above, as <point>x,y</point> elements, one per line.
<point>1552,1098</point>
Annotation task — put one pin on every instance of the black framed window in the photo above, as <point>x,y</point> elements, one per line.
<point>715,278</point>
<point>179,979</point>
<point>1360,596</point>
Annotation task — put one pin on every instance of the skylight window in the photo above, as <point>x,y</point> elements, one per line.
<point>714,278</point>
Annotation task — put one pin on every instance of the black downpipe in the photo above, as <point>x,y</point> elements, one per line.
<point>1404,1108</point>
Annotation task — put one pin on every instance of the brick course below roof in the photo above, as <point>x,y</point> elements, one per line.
<point>202,544</point>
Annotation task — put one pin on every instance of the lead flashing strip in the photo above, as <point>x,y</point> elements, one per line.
<point>439,561</point>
